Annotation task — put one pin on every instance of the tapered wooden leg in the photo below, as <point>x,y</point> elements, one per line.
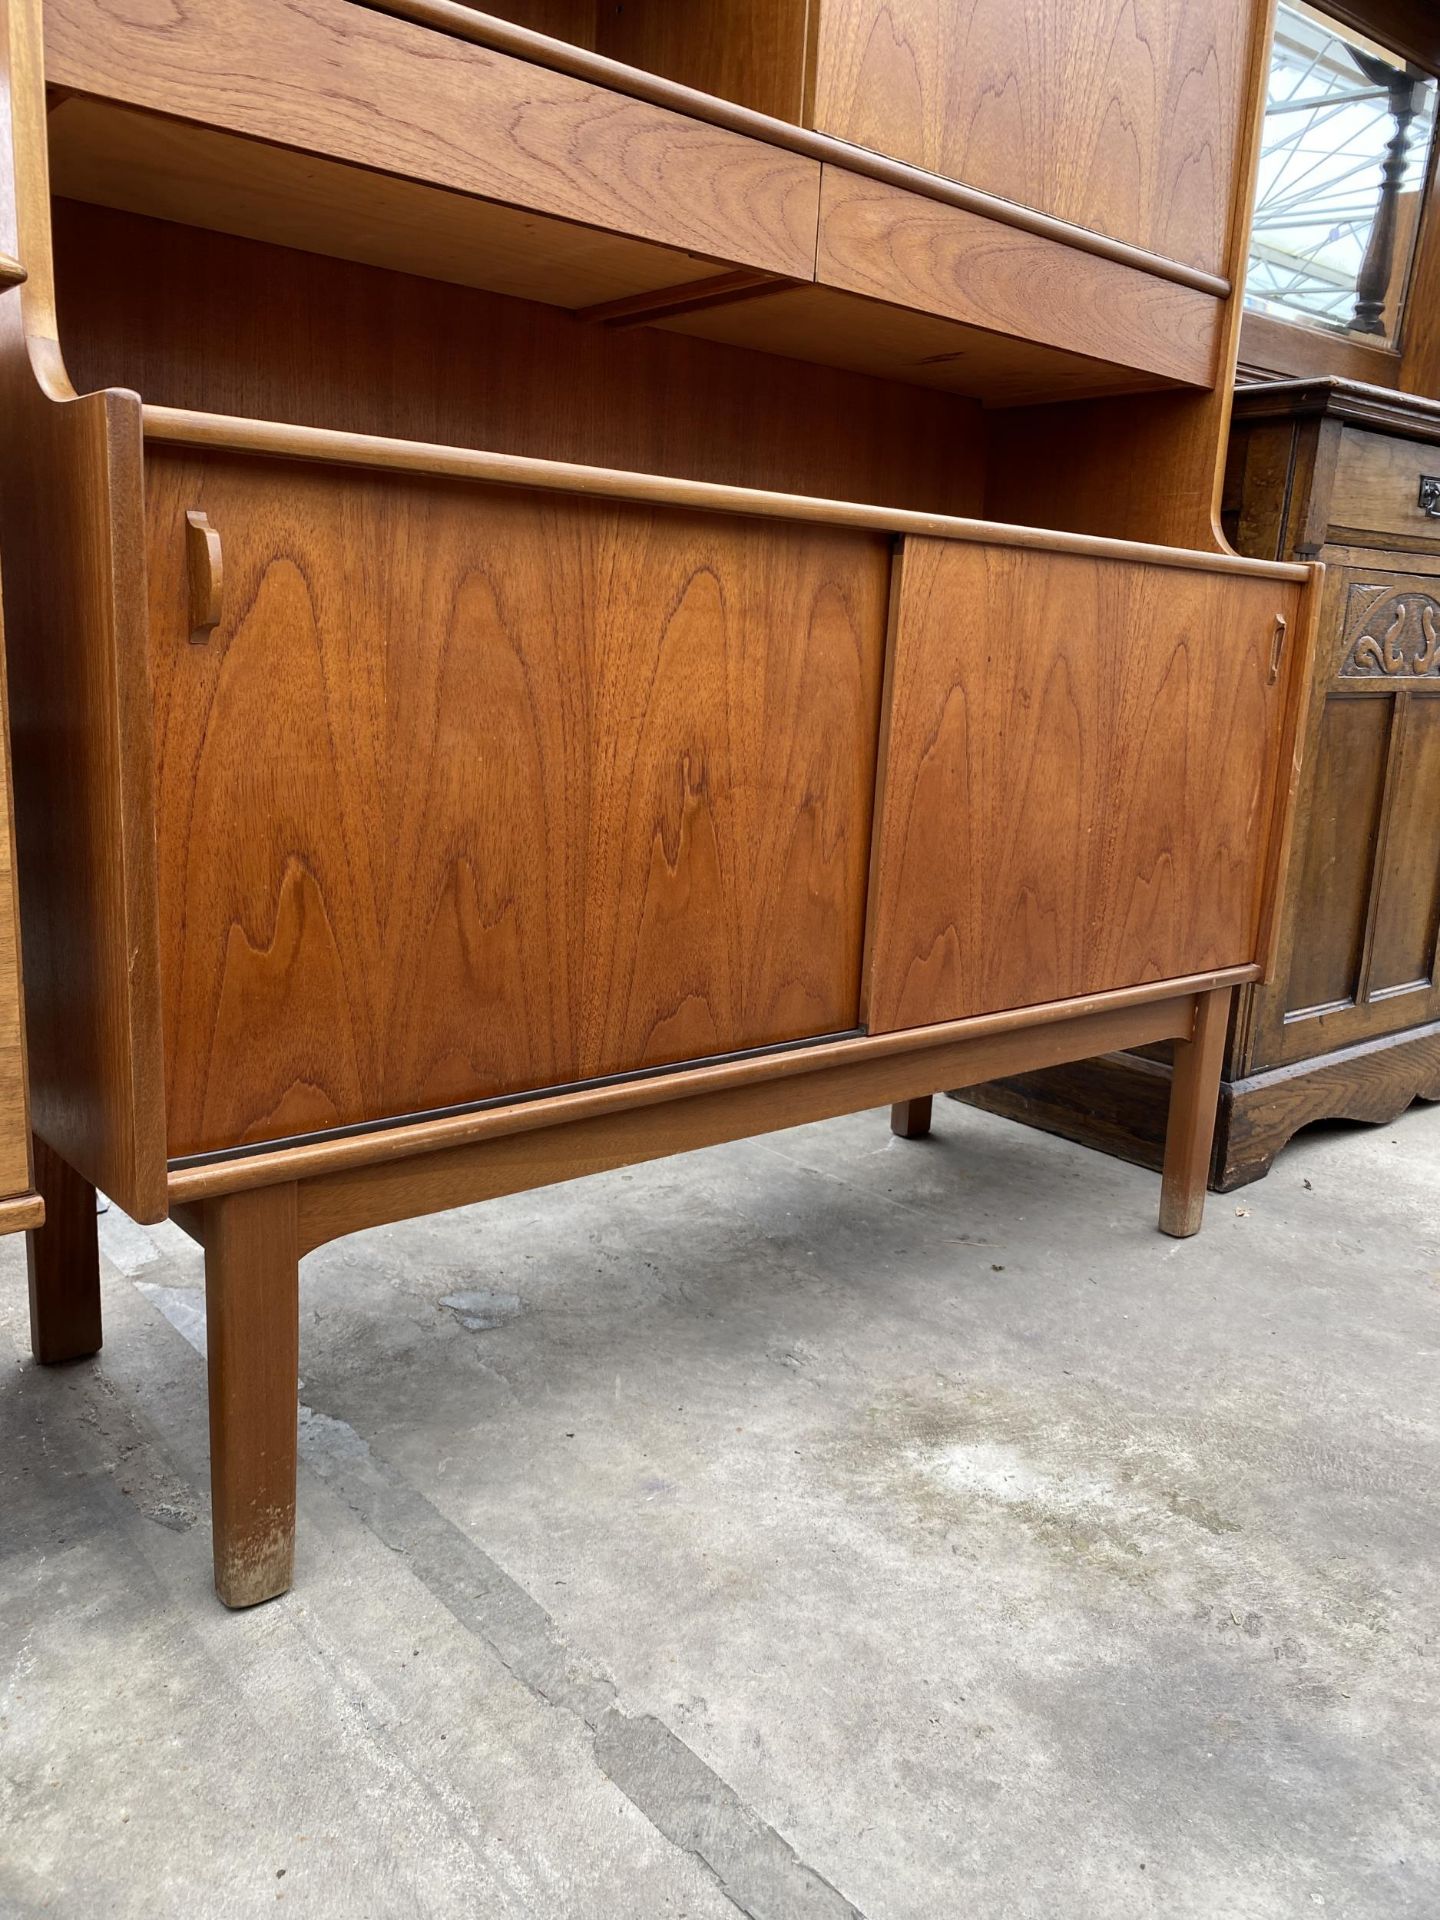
<point>64,1261</point>
<point>910,1119</point>
<point>1190,1129</point>
<point>252,1312</point>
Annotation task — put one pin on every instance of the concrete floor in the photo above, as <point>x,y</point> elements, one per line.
<point>818,1526</point>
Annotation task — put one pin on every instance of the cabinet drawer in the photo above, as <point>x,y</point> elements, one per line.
<point>1080,779</point>
<point>471,791</point>
<point>1377,491</point>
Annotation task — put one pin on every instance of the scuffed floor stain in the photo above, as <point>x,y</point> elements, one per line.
<point>1135,1507</point>
<point>482,1309</point>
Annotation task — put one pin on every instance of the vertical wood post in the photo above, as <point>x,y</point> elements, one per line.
<point>1190,1130</point>
<point>910,1119</point>
<point>252,1308</point>
<point>63,1257</point>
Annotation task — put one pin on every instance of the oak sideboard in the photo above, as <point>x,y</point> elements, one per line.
<point>578,595</point>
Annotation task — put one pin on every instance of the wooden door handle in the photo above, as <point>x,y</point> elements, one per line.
<point>1277,648</point>
<point>207,574</point>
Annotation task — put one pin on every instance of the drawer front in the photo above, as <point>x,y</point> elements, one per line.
<point>473,791</point>
<point>1380,495</point>
<point>912,252</point>
<point>1080,778</point>
<point>1117,118</point>
<point>1358,953</point>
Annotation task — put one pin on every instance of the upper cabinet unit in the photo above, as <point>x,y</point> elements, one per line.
<point>1020,204</point>
<point>1117,116</point>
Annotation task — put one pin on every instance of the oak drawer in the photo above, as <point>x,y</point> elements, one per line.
<point>1377,490</point>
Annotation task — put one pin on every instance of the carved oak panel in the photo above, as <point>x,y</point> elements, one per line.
<point>1391,635</point>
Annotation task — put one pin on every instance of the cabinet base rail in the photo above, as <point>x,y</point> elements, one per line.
<point>254,1235</point>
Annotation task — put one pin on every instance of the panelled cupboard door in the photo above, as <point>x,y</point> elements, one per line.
<point>472,791</point>
<point>1360,947</point>
<point>1077,780</point>
<point>1117,115</point>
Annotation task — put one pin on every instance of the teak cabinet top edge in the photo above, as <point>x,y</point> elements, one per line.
<point>229,433</point>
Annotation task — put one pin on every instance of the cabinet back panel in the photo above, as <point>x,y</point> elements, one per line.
<point>474,791</point>
<point>1080,765</point>
<point>170,311</point>
<point>1119,115</point>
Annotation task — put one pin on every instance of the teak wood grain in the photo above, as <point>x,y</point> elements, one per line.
<point>399,100</point>
<point>70,514</point>
<point>222,183</point>
<point>252,1324</point>
<point>167,310</point>
<point>1190,1132</point>
<point>1117,115</point>
<point>758,55</point>
<point>349,1198</point>
<point>504,35</point>
<point>1080,779</point>
<point>14,1104</point>
<point>590,790</point>
<point>960,286</point>
<point>912,252</point>
<point>64,1264</point>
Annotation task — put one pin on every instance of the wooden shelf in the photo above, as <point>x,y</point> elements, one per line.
<point>434,155</point>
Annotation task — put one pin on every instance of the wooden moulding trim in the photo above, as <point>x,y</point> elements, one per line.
<point>1291,350</point>
<point>24,1210</point>
<point>11,271</point>
<point>225,433</point>
<point>502,36</point>
<point>407,1140</point>
<point>1353,401</point>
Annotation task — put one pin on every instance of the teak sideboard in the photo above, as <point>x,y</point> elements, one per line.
<point>558,617</point>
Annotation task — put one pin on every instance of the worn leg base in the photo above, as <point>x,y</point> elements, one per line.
<point>252,1305</point>
<point>1190,1131</point>
<point>63,1257</point>
<point>910,1119</point>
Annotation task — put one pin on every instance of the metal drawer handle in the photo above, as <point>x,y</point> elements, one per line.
<point>1429,499</point>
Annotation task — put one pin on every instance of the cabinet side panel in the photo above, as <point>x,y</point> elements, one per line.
<point>1078,779</point>
<point>80,720</point>
<point>471,792</point>
<point>14,1111</point>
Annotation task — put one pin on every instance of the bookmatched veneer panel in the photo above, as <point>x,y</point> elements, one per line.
<point>472,791</point>
<point>1119,116</point>
<point>342,81</point>
<point>1081,776</point>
